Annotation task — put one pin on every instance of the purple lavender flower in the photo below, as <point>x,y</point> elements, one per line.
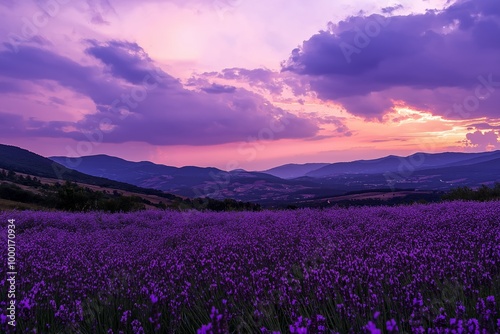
<point>205,329</point>
<point>372,328</point>
<point>392,326</point>
<point>264,268</point>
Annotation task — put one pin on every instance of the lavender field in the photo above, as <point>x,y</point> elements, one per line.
<point>412,269</point>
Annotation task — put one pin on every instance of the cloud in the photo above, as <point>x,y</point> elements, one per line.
<point>99,11</point>
<point>390,10</point>
<point>11,124</point>
<point>483,141</point>
<point>272,83</point>
<point>96,10</point>
<point>219,89</point>
<point>396,139</point>
<point>32,63</point>
<point>137,101</point>
<point>127,60</point>
<point>10,87</point>
<point>14,125</point>
<point>340,129</point>
<point>262,79</point>
<point>433,61</point>
<point>484,126</point>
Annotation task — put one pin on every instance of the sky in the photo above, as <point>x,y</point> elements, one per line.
<point>249,84</point>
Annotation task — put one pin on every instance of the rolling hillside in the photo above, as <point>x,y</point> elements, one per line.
<point>25,165</point>
<point>424,172</point>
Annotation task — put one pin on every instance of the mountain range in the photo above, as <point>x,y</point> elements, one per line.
<point>392,163</point>
<point>19,160</point>
<point>31,181</point>
<point>294,183</point>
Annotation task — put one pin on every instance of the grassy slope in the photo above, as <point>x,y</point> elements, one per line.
<point>23,161</point>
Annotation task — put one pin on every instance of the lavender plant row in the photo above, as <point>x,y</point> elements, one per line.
<point>410,269</point>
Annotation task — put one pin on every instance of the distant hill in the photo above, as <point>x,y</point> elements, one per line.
<point>193,181</point>
<point>145,173</point>
<point>292,171</point>
<point>23,161</point>
<point>476,173</point>
<point>50,176</point>
<point>418,161</point>
<point>314,182</point>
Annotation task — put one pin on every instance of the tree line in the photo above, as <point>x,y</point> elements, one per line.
<point>483,193</point>
<point>69,196</point>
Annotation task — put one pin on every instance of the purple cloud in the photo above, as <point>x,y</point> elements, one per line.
<point>260,78</point>
<point>434,61</point>
<point>483,141</point>
<point>391,9</point>
<point>483,126</point>
<point>32,63</point>
<point>219,89</point>
<point>136,101</point>
<point>10,87</point>
<point>11,124</point>
<point>127,61</point>
<point>14,125</point>
<point>274,83</point>
<point>264,80</point>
